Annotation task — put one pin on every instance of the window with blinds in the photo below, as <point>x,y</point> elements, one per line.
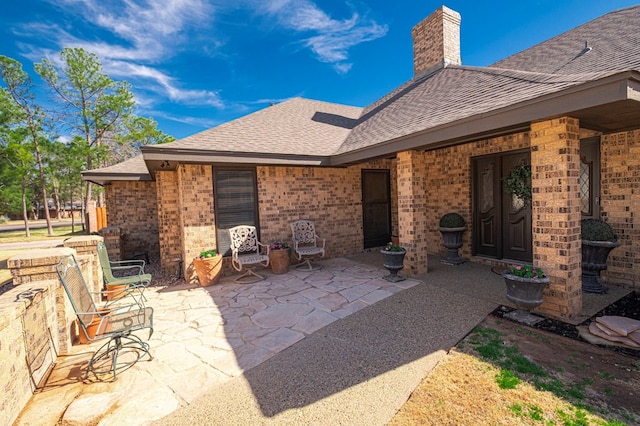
<point>236,202</point>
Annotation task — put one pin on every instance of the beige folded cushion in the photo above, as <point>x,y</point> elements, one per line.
<point>621,325</point>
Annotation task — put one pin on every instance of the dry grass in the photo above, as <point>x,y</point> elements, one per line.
<point>584,385</point>
<point>462,390</point>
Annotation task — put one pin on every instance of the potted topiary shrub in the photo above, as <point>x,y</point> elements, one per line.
<point>393,260</point>
<point>598,239</point>
<point>452,226</point>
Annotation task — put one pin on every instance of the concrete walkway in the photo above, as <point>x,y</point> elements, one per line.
<point>336,346</point>
<point>206,336</point>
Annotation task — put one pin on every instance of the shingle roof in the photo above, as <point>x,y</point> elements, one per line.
<point>133,167</point>
<point>451,94</point>
<point>614,40</point>
<point>449,98</point>
<point>296,127</point>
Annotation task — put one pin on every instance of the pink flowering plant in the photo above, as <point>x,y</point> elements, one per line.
<point>393,247</point>
<point>526,271</point>
<point>278,245</point>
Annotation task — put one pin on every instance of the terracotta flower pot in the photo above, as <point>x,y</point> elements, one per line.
<point>92,328</point>
<point>208,269</point>
<point>280,261</point>
<point>118,290</point>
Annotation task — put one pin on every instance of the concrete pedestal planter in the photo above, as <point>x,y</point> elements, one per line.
<point>594,261</point>
<point>452,240</point>
<point>393,261</point>
<point>525,292</point>
<point>280,260</point>
<point>208,269</point>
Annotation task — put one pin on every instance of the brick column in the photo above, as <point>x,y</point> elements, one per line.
<point>168,220</point>
<point>555,165</point>
<point>197,221</point>
<point>412,212</point>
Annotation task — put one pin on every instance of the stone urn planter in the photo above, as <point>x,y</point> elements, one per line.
<point>598,239</point>
<point>525,291</point>
<point>393,261</point>
<point>279,258</point>
<point>208,267</point>
<point>452,226</point>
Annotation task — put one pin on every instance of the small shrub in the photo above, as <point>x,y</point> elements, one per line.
<point>4,218</point>
<point>452,220</point>
<point>597,230</point>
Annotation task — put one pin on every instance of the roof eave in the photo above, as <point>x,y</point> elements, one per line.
<point>104,178</point>
<point>154,157</point>
<point>623,86</point>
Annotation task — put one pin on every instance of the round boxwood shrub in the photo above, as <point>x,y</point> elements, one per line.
<point>597,230</point>
<point>452,220</point>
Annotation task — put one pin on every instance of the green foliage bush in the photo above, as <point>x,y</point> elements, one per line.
<point>597,230</point>
<point>452,220</point>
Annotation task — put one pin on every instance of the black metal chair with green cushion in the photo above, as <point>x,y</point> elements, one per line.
<point>115,323</point>
<point>136,280</point>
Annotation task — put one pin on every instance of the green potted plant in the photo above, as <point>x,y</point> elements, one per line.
<point>525,284</point>
<point>452,226</point>
<point>393,261</point>
<point>208,266</point>
<point>598,239</point>
<point>279,257</point>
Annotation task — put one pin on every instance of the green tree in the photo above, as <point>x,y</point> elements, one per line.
<point>94,107</point>
<point>28,117</point>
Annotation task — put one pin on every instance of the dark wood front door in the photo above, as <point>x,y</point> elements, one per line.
<point>376,207</point>
<point>501,222</point>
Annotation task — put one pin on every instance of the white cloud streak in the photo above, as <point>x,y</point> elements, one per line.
<point>333,38</point>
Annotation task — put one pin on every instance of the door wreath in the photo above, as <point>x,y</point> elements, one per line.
<point>518,182</point>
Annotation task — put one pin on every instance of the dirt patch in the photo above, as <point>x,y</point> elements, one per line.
<point>556,380</point>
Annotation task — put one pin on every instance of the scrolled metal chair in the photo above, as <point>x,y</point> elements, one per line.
<point>306,243</point>
<point>117,323</point>
<point>247,250</point>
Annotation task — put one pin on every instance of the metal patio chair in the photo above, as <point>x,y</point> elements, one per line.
<point>136,280</point>
<point>115,323</point>
<point>246,250</point>
<point>305,243</point>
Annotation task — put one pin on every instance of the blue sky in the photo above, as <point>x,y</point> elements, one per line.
<point>194,64</point>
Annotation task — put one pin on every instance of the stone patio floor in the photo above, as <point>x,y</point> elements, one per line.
<point>204,336</point>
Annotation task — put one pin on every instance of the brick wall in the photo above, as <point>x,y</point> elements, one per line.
<point>197,220</point>
<point>36,324</point>
<point>169,220</point>
<point>555,166</point>
<point>132,206</point>
<point>620,203</point>
<point>449,184</point>
<point>331,197</point>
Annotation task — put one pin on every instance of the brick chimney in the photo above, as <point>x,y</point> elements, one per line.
<point>436,42</point>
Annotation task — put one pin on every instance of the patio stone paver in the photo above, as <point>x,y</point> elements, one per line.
<point>205,336</point>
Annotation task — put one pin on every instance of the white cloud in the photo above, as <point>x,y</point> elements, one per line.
<point>333,37</point>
